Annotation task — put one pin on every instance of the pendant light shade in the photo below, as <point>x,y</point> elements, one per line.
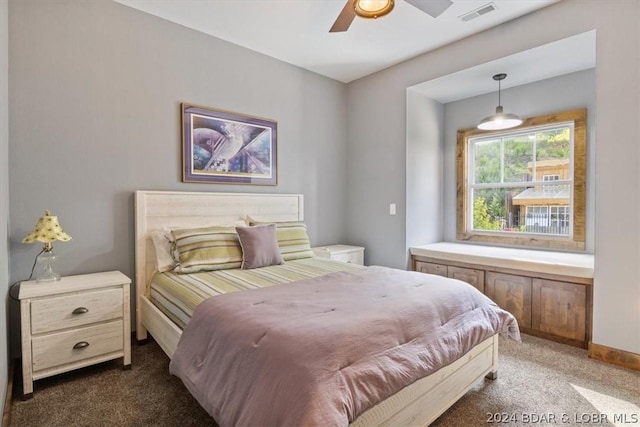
<point>499,120</point>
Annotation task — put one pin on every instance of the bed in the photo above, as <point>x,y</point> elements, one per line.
<point>419,403</point>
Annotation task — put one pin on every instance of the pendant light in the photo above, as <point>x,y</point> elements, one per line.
<point>499,120</point>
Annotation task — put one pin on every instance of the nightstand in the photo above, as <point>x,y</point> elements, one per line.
<point>75,322</point>
<point>344,253</point>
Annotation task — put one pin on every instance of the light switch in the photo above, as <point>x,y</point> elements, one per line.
<point>392,209</point>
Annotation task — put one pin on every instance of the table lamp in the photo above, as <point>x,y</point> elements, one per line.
<point>47,231</point>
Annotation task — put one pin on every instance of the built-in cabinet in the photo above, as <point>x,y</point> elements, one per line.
<point>552,306</point>
<point>513,293</point>
<point>560,308</point>
<point>470,275</point>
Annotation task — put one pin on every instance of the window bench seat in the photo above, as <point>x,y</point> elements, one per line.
<point>549,293</point>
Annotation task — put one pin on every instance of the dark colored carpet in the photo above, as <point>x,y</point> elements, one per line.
<point>537,380</point>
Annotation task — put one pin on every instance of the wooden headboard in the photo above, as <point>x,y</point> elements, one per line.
<point>177,209</point>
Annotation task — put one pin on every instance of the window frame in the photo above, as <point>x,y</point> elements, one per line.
<point>576,240</point>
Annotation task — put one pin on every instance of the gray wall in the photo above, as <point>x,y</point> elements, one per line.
<point>4,192</point>
<point>95,115</point>
<point>378,146</point>
<point>575,90</point>
<point>425,154</point>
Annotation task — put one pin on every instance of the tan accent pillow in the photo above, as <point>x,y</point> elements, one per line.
<point>259,246</point>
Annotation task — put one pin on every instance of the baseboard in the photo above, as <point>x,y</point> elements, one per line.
<point>6,412</point>
<point>623,358</point>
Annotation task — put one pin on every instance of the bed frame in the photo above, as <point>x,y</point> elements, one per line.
<point>417,404</point>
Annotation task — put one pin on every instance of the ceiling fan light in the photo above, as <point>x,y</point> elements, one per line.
<point>500,120</point>
<point>373,8</point>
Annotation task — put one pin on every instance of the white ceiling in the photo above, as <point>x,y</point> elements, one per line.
<point>297,31</point>
<point>564,56</point>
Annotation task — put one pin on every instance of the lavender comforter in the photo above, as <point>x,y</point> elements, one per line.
<point>321,351</point>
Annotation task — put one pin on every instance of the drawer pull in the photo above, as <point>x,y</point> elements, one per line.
<point>80,310</point>
<point>81,345</point>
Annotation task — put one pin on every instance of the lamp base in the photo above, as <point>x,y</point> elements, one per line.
<point>45,263</point>
<point>54,277</point>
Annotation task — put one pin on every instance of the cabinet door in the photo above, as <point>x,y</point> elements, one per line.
<point>431,268</point>
<point>559,308</point>
<point>512,293</point>
<point>469,275</point>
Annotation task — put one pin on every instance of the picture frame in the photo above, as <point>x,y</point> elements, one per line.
<point>227,148</point>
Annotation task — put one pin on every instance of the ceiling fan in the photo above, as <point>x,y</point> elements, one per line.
<point>378,8</point>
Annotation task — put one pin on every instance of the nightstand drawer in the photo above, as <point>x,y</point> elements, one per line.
<point>342,253</point>
<point>58,349</point>
<point>350,257</point>
<point>51,314</point>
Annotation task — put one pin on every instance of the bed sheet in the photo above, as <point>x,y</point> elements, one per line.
<point>177,295</point>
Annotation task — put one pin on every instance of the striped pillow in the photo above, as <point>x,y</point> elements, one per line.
<point>207,249</point>
<point>293,239</point>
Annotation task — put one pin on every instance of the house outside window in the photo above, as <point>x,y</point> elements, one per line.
<point>524,186</point>
<point>548,220</point>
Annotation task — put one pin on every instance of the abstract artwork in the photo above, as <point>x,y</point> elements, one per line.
<point>225,147</point>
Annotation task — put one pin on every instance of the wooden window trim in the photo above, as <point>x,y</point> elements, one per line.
<point>574,243</point>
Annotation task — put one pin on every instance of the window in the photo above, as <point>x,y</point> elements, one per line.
<point>559,219</point>
<point>524,186</point>
<point>537,219</point>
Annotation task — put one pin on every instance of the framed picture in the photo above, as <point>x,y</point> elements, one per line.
<point>226,147</point>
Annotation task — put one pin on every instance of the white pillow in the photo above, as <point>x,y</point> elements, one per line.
<point>163,243</point>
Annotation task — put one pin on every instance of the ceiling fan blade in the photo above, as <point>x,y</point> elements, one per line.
<point>431,7</point>
<point>345,18</point>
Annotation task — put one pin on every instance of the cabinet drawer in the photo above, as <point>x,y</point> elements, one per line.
<point>471,276</point>
<point>431,268</point>
<point>58,348</point>
<point>51,314</point>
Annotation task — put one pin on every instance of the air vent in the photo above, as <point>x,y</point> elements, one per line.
<point>483,10</point>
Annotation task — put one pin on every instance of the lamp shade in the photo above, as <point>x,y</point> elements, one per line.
<point>500,120</point>
<point>47,230</point>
